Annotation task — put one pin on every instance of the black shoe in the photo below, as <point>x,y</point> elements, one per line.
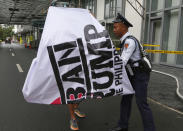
<point>118,129</point>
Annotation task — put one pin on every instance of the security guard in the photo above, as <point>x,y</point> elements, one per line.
<point>138,78</point>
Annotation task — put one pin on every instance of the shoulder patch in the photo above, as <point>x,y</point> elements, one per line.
<point>126,45</point>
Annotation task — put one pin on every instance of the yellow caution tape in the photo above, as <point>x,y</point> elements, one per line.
<point>145,45</point>
<point>160,51</point>
<point>164,51</point>
<point>151,45</point>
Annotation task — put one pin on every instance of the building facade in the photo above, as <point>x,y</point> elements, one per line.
<point>161,25</point>
<point>106,10</point>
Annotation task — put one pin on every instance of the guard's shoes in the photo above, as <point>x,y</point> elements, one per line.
<point>119,129</point>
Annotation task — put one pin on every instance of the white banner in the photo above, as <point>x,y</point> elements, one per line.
<point>76,60</point>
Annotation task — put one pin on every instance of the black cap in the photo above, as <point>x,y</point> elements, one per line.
<point>122,19</point>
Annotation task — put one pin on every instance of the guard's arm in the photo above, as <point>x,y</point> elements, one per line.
<point>128,50</point>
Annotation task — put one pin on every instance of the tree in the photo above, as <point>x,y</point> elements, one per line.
<point>6,31</point>
<point>1,32</point>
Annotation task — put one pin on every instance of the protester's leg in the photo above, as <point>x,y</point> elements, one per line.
<point>141,83</point>
<point>73,122</point>
<point>71,110</point>
<point>78,112</point>
<point>125,110</point>
<point>76,106</point>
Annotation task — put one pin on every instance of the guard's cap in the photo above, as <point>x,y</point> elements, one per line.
<point>122,19</point>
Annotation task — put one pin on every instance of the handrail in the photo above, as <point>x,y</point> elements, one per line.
<point>137,6</point>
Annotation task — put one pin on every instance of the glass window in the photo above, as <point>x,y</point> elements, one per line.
<point>146,29</point>
<point>180,44</point>
<point>76,3</point>
<point>107,5</point>
<point>169,3</point>
<point>147,5</point>
<point>157,4</point>
<point>119,6</point>
<point>156,14</point>
<point>170,36</point>
<point>86,4</point>
<point>176,2</point>
<point>145,39</point>
<point>155,38</point>
<point>90,5</point>
<point>112,8</point>
<point>93,6</point>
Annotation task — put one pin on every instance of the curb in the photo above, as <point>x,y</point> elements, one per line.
<point>178,86</point>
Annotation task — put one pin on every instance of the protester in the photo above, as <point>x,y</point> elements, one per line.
<point>139,78</point>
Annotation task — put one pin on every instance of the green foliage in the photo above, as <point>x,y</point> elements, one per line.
<point>6,31</point>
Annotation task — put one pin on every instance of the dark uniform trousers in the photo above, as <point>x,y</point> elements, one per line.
<point>139,82</point>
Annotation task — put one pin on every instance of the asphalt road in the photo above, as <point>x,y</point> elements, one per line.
<point>18,115</point>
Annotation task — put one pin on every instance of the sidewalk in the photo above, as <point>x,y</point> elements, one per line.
<point>177,72</point>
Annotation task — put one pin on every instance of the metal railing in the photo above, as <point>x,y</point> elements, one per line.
<point>138,7</point>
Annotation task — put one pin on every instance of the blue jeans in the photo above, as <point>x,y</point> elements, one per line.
<point>139,82</point>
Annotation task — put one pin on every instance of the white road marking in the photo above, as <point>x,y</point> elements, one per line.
<point>19,68</point>
<point>167,107</point>
<point>13,54</point>
<point>177,91</point>
<point>178,87</point>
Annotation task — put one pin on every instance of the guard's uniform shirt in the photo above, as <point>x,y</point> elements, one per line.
<point>130,50</point>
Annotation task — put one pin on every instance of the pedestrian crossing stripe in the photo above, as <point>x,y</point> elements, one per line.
<point>19,68</point>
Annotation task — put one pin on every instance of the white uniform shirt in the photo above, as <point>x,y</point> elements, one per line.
<point>128,50</point>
